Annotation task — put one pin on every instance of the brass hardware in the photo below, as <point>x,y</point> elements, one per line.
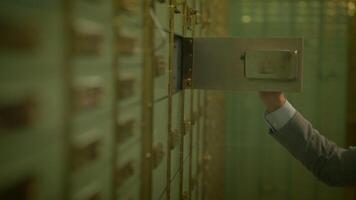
<point>158,154</point>
<point>124,173</point>
<point>159,65</point>
<point>17,35</point>
<point>24,189</point>
<point>88,38</point>
<point>187,127</point>
<point>87,96</point>
<point>187,61</point>
<point>86,153</point>
<point>125,130</point>
<point>190,17</point>
<point>17,115</point>
<point>174,138</point>
<point>126,87</point>
<point>126,44</point>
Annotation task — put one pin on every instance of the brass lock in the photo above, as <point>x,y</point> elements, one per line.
<point>126,44</point>
<point>18,35</point>
<point>88,38</point>
<point>159,65</point>
<point>17,115</point>
<point>86,153</point>
<point>174,138</point>
<point>124,173</point>
<point>24,189</point>
<point>87,97</point>
<point>157,155</point>
<point>126,87</point>
<point>125,130</point>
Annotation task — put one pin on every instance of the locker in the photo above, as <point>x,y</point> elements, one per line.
<point>160,65</point>
<point>89,162</point>
<point>30,176</point>
<point>175,185</point>
<point>159,151</point>
<point>161,15</point>
<point>186,180</point>
<point>129,87</point>
<point>88,81</point>
<point>187,124</point>
<point>176,134</point>
<point>128,128</point>
<point>128,173</point>
<point>179,18</point>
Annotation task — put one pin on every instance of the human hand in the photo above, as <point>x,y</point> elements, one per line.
<point>272,100</point>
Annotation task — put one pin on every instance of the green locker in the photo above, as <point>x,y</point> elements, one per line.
<point>159,151</point>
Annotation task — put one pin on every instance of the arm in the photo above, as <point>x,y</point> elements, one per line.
<point>331,164</point>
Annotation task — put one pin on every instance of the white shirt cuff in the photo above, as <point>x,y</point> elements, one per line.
<point>280,117</point>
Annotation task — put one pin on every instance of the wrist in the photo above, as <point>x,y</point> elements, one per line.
<point>275,103</point>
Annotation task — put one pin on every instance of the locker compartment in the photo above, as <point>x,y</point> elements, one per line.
<point>160,65</point>
<point>175,186</point>
<point>26,35</point>
<point>90,162</point>
<point>161,15</point>
<point>24,106</point>
<point>187,123</point>
<point>128,173</point>
<point>175,136</point>
<point>195,152</point>
<point>159,152</point>
<point>178,18</point>
<point>129,87</point>
<point>128,127</point>
<point>92,95</point>
<point>35,176</point>
<point>128,44</point>
<point>194,193</point>
<point>186,180</point>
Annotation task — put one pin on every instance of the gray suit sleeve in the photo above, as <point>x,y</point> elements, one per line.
<point>331,164</point>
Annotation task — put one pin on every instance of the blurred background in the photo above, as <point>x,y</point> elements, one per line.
<point>89,107</point>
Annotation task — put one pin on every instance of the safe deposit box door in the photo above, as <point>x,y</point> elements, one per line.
<point>244,64</point>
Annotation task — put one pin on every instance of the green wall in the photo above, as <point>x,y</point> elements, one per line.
<point>257,167</point>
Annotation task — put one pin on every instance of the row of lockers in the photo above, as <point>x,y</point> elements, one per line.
<point>87,110</point>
